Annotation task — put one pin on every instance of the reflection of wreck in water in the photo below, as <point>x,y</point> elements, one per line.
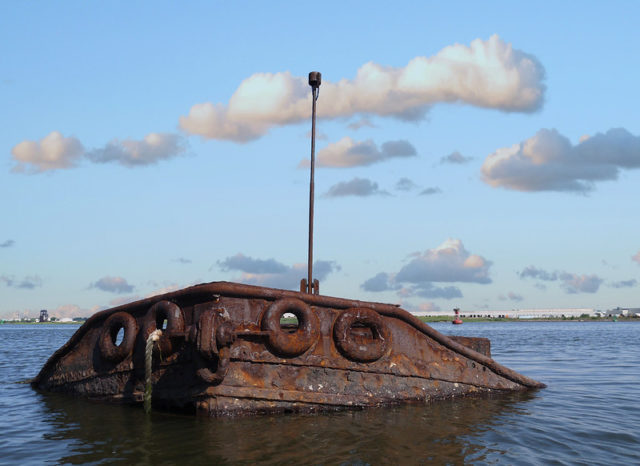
<point>445,432</point>
<point>225,350</point>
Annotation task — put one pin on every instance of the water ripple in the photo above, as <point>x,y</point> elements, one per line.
<point>589,414</point>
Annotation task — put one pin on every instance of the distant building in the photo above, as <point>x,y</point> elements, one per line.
<point>624,312</point>
<point>44,316</point>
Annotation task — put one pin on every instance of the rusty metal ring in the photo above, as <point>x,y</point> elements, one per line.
<point>352,346</point>
<point>216,377</point>
<point>206,337</point>
<point>107,342</point>
<point>154,319</point>
<point>296,343</point>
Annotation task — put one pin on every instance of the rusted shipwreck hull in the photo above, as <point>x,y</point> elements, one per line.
<point>224,351</point>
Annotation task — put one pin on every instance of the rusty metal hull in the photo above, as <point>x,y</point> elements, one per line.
<point>224,352</point>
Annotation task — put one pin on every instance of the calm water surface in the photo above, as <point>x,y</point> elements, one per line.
<point>589,414</point>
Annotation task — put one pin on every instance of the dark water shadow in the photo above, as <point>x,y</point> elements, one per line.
<point>446,432</point>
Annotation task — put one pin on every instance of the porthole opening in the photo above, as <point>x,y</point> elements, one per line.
<point>161,321</point>
<point>119,336</point>
<point>289,322</point>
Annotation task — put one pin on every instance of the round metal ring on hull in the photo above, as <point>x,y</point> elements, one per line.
<point>291,344</point>
<point>109,350</point>
<point>154,319</point>
<point>359,348</point>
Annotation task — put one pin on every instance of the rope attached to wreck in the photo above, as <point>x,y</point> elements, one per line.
<point>148,361</point>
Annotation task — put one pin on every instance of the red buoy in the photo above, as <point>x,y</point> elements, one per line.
<point>457,320</point>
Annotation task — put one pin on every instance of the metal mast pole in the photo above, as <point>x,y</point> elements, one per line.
<point>315,79</point>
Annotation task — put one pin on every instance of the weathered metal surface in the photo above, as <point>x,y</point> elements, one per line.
<point>315,79</point>
<point>224,351</point>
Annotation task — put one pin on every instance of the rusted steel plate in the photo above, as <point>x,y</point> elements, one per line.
<point>224,351</point>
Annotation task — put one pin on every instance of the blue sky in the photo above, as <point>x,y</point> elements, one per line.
<point>481,156</point>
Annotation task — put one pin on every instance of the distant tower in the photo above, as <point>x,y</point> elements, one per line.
<point>44,315</point>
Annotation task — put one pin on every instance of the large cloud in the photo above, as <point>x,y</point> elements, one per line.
<point>129,152</point>
<point>448,263</point>
<point>52,152</point>
<point>113,285</point>
<point>549,162</point>
<point>487,73</point>
<point>572,283</point>
<point>274,274</point>
<point>349,153</point>
<point>356,187</point>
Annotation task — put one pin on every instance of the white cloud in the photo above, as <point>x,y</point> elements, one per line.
<point>356,187</point>
<point>624,283</point>
<point>349,153</point>
<point>448,263</point>
<point>129,152</point>
<point>29,282</point>
<point>549,162</point>
<point>119,301</point>
<point>430,191</point>
<point>573,283</point>
<point>182,260</point>
<point>53,152</point>
<point>72,310</point>
<point>159,290</point>
<point>456,157</point>
<point>405,184</point>
<point>487,73</point>
<point>381,282</point>
<point>113,285</point>
<point>511,296</point>
<point>428,307</point>
<point>273,274</point>
<point>424,308</point>
<point>534,272</point>
<point>250,265</point>
<point>165,289</point>
<point>361,123</point>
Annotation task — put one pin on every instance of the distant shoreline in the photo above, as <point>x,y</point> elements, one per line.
<point>426,319</point>
<point>15,322</point>
<point>431,319</point>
